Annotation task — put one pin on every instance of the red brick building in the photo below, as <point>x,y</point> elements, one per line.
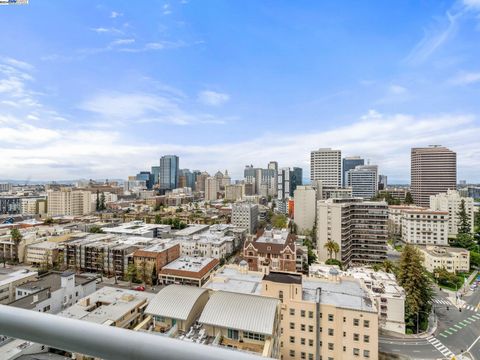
<point>158,254</point>
<point>275,249</point>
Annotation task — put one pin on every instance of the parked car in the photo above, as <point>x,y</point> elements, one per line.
<point>139,288</point>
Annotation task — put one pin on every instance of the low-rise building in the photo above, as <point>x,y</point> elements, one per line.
<point>139,228</point>
<point>187,270</point>
<point>43,253</point>
<point>9,280</point>
<point>451,259</point>
<point>53,292</point>
<point>274,249</point>
<point>157,255</point>
<point>395,215</point>
<point>424,227</point>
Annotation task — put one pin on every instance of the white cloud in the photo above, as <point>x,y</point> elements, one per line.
<point>122,42</point>
<point>465,78</point>
<point>18,64</point>
<point>115,14</point>
<point>473,4</point>
<point>106,30</point>
<point>397,89</point>
<point>145,108</point>
<point>213,98</point>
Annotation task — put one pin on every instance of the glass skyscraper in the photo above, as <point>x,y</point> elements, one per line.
<point>349,163</point>
<point>168,175</point>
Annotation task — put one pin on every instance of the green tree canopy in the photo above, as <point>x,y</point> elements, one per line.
<point>16,235</point>
<point>413,277</point>
<point>408,198</point>
<point>464,225</point>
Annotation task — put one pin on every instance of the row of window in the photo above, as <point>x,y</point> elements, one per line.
<point>356,352</point>
<point>356,322</point>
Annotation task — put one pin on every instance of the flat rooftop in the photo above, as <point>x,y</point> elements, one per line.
<point>347,294</point>
<point>135,228</point>
<point>232,279</point>
<point>6,277</point>
<point>107,305</point>
<point>53,281</point>
<point>191,230</point>
<point>188,263</point>
<point>275,236</point>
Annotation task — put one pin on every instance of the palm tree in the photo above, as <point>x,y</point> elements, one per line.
<point>336,249</point>
<point>331,247</point>
<point>388,266</point>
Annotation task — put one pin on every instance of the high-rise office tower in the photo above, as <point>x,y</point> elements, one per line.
<point>349,163</point>
<point>168,176</point>
<point>364,181</point>
<point>155,174</point>
<point>433,171</point>
<point>326,166</point>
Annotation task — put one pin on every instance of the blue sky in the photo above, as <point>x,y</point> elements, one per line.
<point>103,89</point>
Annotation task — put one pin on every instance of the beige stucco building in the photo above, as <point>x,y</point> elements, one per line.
<point>68,201</point>
<point>425,227</point>
<point>452,259</point>
<point>451,202</point>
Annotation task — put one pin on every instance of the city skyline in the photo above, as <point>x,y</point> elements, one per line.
<point>105,95</point>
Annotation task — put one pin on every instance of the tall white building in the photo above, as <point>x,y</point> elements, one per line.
<point>212,187</point>
<point>305,207</point>
<point>67,201</point>
<point>451,201</point>
<point>245,215</point>
<point>360,228</point>
<point>326,166</point>
<point>234,192</point>
<point>424,226</point>
<point>364,181</point>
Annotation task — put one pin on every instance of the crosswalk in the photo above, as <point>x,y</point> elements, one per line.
<point>439,346</point>
<point>469,307</point>
<point>442,302</point>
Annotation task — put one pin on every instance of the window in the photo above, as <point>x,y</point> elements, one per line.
<point>356,351</point>
<point>356,337</point>
<point>310,314</point>
<point>344,334</point>
<point>292,353</point>
<point>330,346</point>
<point>280,295</point>
<point>330,317</point>
<point>344,319</point>
<point>253,336</point>
<point>232,334</point>
<point>356,322</point>
<point>344,348</point>
<point>366,338</point>
<point>302,327</point>
<point>292,326</point>
<point>310,342</point>
<point>330,332</point>
<point>310,356</point>
<point>303,355</point>
<point>302,341</point>
<point>366,353</point>
<point>292,311</point>
<point>292,339</point>
<point>366,323</point>
<point>302,313</point>
<point>310,328</point>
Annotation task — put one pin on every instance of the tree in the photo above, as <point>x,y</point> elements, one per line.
<point>16,236</point>
<point>145,274</point>
<point>334,262</point>
<point>279,221</point>
<point>97,201</point>
<point>131,274</point>
<point>413,277</point>
<point>103,206</point>
<point>96,230</point>
<point>331,247</point>
<point>388,266</point>
<point>474,259</point>
<point>464,226</point>
<point>293,227</point>
<point>158,219</point>
<point>312,256</point>
<point>465,241</point>
<point>408,198</point>
<point>154,275</point>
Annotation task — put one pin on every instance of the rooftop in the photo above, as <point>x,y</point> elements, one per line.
<point>187,263</point>
<point>53,281</point>
<point>190,230</point>
<point>285,278</point>
<point>175,301</point>
<point>241,311</point>
<point>106,305</point>
<point>232,278</point>
<point>6,277</point>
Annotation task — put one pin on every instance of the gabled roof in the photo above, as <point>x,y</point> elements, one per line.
<point>241,312</point>
<point>175,301</point>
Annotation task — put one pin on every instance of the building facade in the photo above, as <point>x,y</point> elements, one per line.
<point>363,180</point>
<point>69,202</point>
<point>305,209</point>
<point>245,216</point>
<point>451,201</point>
<point>424,226</point>
<point>349,163</point>
<point>433,171</point>
<point>449,258</point>
<point>326,166</point>
<point>360,228</point>
<point>168,173</point>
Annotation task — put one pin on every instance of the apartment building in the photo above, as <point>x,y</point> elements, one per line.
<point>451,201</point>
<point>363,180</point>
<point>326,166</point>
<point>433,171</point>
<point>451,259</point>
<point>68,201</point>
<point>53,292</point>
<point>359,227</point>
<point>334,319</point>
<point>424,227</point>
<point>305,209</point>
<point>186,270</point>
<point>10,205</point>
<point>30,205</point>
<point>274,249</point>
<point>212,187</point>
<point>156,256</point>
<point>234,192</point>
<point>395,215</point>
<point>245,216</point>
<point>43,253</point>
<point>9,280</point>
